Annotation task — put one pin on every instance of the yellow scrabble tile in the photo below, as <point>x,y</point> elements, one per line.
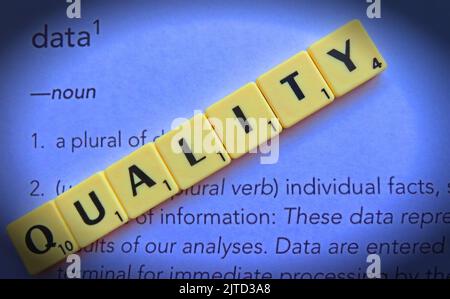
<point>91,209</point>
<point>347,57</point>
<point>243,120</point>
<point>141,180</point>
<point>42,238</point>
<point>295,89</point>
<point>192,151</point>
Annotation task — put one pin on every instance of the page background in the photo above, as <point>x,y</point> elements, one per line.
<point>154,62</point>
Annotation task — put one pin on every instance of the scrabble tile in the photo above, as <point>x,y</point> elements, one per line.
<point>347,58</point>
<point>91,209</point>
<point>295,89</point>
<point>141,180</point>
<point>243,120</point>
<point>192,151</point>
<point>42,238</point>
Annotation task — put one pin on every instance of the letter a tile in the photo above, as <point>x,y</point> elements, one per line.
<point>141,180</point>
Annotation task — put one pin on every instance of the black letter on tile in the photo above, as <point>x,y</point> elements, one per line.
<point>242,119</point>
<point>48,237</point>
<point>293,84</point>
<point>144,179</point>
<point>98,205</point>
<point>188,153</point>
<point>344,57</point>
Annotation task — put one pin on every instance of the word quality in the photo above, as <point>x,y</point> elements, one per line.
<point>281,97</point>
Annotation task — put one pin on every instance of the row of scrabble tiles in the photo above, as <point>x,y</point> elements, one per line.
<point>284,96</point>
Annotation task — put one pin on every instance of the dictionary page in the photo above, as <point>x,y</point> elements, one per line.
<point>362,183</point>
